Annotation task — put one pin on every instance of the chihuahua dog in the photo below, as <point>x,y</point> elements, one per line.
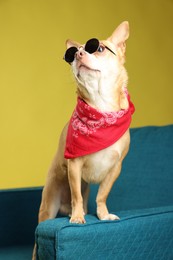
<point>94,143</point>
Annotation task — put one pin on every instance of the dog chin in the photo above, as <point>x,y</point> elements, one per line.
<point>83,66</point>
<point>86,74</point>
<point>86,68</point>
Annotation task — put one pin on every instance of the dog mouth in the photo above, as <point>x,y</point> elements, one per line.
<point>83,66</point>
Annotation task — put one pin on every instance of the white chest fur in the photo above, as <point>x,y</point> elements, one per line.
<point>98,165</point>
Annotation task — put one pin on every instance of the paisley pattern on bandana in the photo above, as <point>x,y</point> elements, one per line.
<point>87,120</point>
<point>91,130</point>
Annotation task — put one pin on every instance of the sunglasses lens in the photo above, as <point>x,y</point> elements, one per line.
<point>70,53</point>
<point>92,45</point>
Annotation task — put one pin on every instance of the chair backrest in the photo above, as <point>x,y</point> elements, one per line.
<point>18,216</point>
<point>146,179</point>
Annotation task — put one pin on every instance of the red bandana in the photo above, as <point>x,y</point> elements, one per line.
<point>91,130</point>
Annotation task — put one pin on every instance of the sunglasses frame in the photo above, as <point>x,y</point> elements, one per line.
<point>70,52</point>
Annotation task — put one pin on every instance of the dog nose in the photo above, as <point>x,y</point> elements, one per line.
<point>80,54</point>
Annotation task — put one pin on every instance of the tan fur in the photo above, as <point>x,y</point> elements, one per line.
<point>100,82</point>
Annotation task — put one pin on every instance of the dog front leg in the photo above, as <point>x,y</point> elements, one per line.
<point>103,192</point>
<point>74,176</point>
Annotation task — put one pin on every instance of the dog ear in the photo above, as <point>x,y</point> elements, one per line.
<point>120,35</point>
<point>71,43</point>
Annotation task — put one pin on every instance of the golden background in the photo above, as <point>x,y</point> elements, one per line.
<point>37,91</point>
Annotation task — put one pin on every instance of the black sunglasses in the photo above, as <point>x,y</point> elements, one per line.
<point>91,46</point>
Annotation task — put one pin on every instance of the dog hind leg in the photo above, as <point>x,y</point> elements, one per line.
<point>50,204</point>
<point>51,198</point>
<point>85,195</point>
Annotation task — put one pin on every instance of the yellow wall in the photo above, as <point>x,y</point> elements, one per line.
<point>37,93</point>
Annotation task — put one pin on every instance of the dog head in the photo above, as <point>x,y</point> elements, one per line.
<point>98,67</point>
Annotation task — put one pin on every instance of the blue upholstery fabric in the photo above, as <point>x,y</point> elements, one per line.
<point>138,235</point>
<point>143,199</point>
<point>18,220</point>
<point>17,252</point>
<point>18,216</point>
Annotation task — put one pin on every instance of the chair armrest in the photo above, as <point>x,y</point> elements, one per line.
<point>140,234</point>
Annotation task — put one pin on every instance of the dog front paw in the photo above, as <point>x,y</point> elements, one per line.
<point>77,219</point>
<point>110,217</point>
